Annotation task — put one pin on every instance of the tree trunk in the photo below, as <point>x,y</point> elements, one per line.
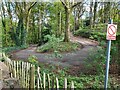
<point>102,16</point>
<point>118,18</point>
<point>40,40</point>
<point>77,24</point>
<point>95,9</point>
<point>39,27</point>
<point>59,25</point>
<point>76,20</point>
<point>23,33</point>
<point>91,14</point>
<point>18,34</point>
<point>27,25</point>
<point>67,25</point>
<point>4,25</point>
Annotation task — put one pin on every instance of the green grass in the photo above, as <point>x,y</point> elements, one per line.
<point>10,49</point>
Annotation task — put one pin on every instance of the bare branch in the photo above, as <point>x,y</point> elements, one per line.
<point>76,4</point>
<point>64,4</point>
<point>33,4</point>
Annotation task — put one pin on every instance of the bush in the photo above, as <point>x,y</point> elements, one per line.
<point>97,61</point>
<point>83,33</point>
<point>93,34</point>
<point>33,60</point>
<point>56,45</point>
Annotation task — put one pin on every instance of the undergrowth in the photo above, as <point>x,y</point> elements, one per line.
<point>10,49</point>
<point>94,82</point>
<point>57,45</point>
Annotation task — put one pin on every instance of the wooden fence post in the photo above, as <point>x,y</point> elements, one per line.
<point>17,70</point>
<point>32,75</point>
<point>20,70</point>
<point>44,81</point>
<point>28,79</point>
<point>72,86</point>
<point>22,75</point>
<point>39,78</point>
<point>65,83</point>
<point>10,70</point>
<point>48,81</point>
<point>38,81</point>
<point>14,69</point>
<point>26,74</point>
<point>57,84</point>
<point>53,83</point>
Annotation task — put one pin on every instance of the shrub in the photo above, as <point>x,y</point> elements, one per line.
<point>33,60</point>
<point>56,45</point>
<point>92,34</point>
<point>97,61</point>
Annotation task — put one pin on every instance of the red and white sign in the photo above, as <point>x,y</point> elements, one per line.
<point>111,32</point>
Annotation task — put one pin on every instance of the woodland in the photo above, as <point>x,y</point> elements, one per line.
<point>61,28</point>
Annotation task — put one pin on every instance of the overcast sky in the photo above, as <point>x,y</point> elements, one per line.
<point>57,0</point>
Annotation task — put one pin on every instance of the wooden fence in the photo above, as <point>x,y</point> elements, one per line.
<point>30,77</point>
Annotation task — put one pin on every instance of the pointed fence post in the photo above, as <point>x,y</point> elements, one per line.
<point>39,78</point>
<point>44,81</point>
<point>53,81</point>
<point>57,84</point>
<point>32,75</point>
<point>72,86</point>
<point>48,81</point>
<point>38,81</point>
<point>65,83</point>
<point>17,72</point>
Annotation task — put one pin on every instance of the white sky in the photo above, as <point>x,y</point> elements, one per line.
<point>56,0</point>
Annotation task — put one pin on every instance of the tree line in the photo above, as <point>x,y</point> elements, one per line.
<point>29,22</point>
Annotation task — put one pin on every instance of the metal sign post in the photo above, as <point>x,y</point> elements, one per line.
<point>108,61</point>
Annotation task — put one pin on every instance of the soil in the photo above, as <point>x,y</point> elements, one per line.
<point>70,59</point>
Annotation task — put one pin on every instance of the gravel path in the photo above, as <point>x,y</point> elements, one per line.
<point>68,59</point>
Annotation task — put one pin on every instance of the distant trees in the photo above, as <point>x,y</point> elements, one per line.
<point>29,22</point>
<point>78,12</point>
<point>20,12</point>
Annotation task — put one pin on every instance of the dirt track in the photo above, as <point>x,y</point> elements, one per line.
<point>68,59</point>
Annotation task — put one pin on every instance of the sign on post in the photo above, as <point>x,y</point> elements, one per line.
<point>111,35</point>
<point>111,32</point>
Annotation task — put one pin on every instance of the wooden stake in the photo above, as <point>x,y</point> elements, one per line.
<point>44,81</point>
<point>57,84</point>
<point>32,75</point>
<point>48,81</point>
<point>72,86</point>
<point>65,83</point>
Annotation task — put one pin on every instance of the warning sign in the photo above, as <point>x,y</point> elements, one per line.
<point>111,32</point>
